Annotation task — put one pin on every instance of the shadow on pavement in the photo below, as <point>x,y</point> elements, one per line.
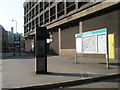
<point>116,64</point>
<point>71,74</point>
<point>19,57</point>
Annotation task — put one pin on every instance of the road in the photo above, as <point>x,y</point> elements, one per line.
<point>111,83</point>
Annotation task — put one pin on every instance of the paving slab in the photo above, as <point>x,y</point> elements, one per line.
<point>18,72</point>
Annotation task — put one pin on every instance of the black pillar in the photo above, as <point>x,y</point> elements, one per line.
<point>41,50</point>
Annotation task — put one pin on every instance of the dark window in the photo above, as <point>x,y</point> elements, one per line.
<point>46,17</point>
<point>52,1</point>
<point>37,9</point>
<point>32,12</point>
<point>30,25</point>
<point>52,13</point>
<point>41,19</point>
<point>81,4</point>
<point>46,4</point>
<point>33,24</point>
<point>60,9</point>
<point>25,29</point>
<point>32,4</point>
<point>41,6</point>
<point>29,16</point>
<point>70,6</point>
<point>29,5</point>
<point>36,22</point>
<point>25,10</point>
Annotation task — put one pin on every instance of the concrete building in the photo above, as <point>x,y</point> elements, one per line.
<point>64,19</point>
<point>3,40</point>
<point>11,36</point>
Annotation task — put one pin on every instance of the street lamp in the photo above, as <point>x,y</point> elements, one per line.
<point>16,40</point>
<point>16,24</point>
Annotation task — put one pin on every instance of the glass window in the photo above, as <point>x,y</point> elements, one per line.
<point>60,9</point>
<point>52,13</point>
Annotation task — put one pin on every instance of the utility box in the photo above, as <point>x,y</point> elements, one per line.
<point>41,50</point>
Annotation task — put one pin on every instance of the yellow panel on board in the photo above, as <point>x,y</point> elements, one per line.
<point>111,46</point>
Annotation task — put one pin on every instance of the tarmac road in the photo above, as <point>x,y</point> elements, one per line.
<point>110,83</point>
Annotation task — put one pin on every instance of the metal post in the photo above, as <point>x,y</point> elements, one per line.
<point>75,53</point>
<point>76,57</point>
<point>16,24</point>
<point>15,37</point>
<point>59,40</point>
<point>14,45</point>
<point>107,51</point>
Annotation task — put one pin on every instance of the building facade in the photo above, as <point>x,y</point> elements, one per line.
<point>64,19</point>
<point>3,40</point>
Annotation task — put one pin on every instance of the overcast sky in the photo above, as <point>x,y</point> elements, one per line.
<point>12,10</point>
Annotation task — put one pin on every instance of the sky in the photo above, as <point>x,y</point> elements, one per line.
<point>12,10</point>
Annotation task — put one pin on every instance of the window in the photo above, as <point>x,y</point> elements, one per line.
<point>29,5</point>
<point>70,6</point>
<point>32,4</point>
<point>41,19</point>
<point>32,12</point>
<point>29,15</point>
<point>41,6</point>
<point>46,4</point>
<point>52,13</point>
<point>81,3</point>
<point>46,17</point>
<point>36,22</point>
<point>25,10</point>
<point>36,9</point>
<point>60,9</point>
<point>32,24</point>
<point>52,1</point>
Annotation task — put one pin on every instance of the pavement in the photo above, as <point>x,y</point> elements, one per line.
<point>19,72</point>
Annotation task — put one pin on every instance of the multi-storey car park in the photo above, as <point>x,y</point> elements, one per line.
<point>65,18</point>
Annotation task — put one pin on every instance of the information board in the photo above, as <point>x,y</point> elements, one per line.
<point>91,42</point>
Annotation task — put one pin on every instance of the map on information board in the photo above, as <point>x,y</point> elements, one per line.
<point>89,44</point>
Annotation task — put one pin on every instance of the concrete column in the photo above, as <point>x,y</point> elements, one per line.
<point>65,10</point>
<point>76,5</point>
<point>80,27</point>
<point>59,37</point>
<point>56,11</point>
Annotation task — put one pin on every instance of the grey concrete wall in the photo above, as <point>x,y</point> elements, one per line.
<point>28,45</point>
<point>68,37</point>
<point>0,44</point>
<point>54,46</point>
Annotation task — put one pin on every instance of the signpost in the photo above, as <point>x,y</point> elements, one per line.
<point>93,42</point>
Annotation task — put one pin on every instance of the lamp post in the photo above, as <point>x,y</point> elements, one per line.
<point>16,24</point>
<point>16,40</point>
